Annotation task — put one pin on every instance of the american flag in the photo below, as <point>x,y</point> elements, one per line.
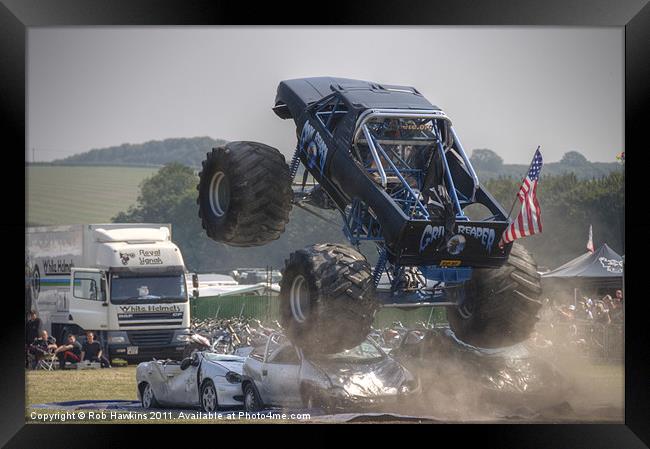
<point>529,220</point>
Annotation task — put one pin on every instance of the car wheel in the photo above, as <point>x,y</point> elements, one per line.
<point>209,401</point>
<point>148,398</point>
<point>252,401</point>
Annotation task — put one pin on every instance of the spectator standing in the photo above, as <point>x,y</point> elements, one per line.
<point>616,307</point>
<point>586,309</point>
<point>70,352</point>
<point>33,328</point>
<point>92,351</point>
<point>602,314</point>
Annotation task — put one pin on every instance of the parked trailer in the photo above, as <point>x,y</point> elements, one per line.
<point>125,282</point>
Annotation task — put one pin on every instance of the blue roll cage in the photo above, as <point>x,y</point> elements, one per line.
<point>430,285</point>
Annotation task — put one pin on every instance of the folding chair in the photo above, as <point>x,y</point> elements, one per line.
<point>47,362</point>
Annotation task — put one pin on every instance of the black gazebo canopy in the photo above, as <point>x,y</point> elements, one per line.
<point>603,266</point>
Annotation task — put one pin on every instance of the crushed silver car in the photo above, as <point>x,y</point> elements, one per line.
<point>280,374</point>
<point>205,379</point>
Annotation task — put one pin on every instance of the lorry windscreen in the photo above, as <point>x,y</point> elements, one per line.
<point>147,289</point>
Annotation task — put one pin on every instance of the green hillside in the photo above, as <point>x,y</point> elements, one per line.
<point>188,151</point>
<point>67,195</point>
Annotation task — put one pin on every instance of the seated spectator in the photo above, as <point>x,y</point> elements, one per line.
<point>92,351</point>
<point>41,347</point>
<point>70,352</point>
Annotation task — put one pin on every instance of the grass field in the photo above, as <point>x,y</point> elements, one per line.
<point>67,195</point>
<point>72,385</point>
<point>98,384</point>
<point>600,397</point>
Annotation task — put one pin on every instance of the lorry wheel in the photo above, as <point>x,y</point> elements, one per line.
<point>327,298</point>
<point>244,194</point>
<point>500,306</point>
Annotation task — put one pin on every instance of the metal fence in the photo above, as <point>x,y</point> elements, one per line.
<point>597,341</point>
<point>266,308</point>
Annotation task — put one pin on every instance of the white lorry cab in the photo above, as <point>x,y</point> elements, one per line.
<point>125,282</point>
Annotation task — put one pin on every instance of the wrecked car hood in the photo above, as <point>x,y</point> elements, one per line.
<point>365,379</point>
<point>229,362</point>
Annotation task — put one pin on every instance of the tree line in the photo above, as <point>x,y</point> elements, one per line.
<point>191,152</point>
<point>569,205</point>
<point>489,165</point>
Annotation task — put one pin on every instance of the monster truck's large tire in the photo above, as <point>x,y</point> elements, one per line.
<point>327,298</point>
<point>244,194</point>
<point>501,305</point>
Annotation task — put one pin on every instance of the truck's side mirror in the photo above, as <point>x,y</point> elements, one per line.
<point>195,280</point>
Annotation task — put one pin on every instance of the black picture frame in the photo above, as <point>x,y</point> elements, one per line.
<point>18,15</point>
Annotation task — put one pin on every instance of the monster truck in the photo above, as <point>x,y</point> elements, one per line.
<point>391,163</point>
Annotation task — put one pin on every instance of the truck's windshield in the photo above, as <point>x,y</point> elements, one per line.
<point>408,142</point>
<point>147,289</point>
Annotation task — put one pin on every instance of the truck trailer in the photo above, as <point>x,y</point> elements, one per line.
<point>125,282</point>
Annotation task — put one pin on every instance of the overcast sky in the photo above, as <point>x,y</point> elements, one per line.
<point>505,88</point>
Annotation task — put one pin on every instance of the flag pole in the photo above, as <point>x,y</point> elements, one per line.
<point>522,181</point>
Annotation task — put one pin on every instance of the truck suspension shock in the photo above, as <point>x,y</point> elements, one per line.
<point>379,268</point>
<point>295,163</point>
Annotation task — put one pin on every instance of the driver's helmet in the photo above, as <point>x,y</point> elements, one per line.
<point>391,127</point>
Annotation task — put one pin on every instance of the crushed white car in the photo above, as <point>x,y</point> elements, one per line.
<point>364,377</point>
<point>205,379</point>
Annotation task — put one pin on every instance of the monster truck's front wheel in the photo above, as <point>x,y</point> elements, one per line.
<point>500,306</point>
<point>327,298</point>
<point>244,194</point>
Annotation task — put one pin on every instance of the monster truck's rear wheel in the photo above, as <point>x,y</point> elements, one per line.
<point>244,194</point>
<point>327,298</point>
<point>500,305</point>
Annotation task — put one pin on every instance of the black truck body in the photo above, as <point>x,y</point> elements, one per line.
<point>408,240</point>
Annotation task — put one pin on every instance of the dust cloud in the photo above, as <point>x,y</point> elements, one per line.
<point>522,383</point>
